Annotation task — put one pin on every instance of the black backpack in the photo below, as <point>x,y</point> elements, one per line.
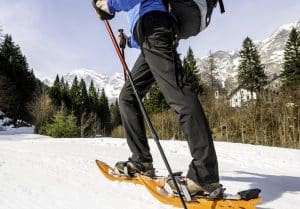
<point>192,16</point>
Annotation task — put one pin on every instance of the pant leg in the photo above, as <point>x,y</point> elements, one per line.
<point>132,118</point>
<point>165,65</point>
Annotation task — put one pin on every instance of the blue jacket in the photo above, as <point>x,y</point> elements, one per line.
<point>135,10</point>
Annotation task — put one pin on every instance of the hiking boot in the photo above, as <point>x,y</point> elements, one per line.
<point>212,190</point>
<point>131,168</point>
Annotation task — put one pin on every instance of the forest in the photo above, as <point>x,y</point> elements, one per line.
<point>78,109</point>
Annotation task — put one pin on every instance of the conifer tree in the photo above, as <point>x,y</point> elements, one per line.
<point>291,73</point>
<point>104,112</point>
<point>212,69</point>
<point>65,95</point>
<point>115,114</point>
<point>93,97</point>
<point>62,126</point>
<point>251,73</point>
<point>155,101</point>
<point>75,98</point>
<point>190,67</point>
<point>56,92</point>
<point>8,89</point>
<point>8,97</point>
<point>16,69</point>
<point>84,99</point>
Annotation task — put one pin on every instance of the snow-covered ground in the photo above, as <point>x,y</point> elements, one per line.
<point>38,172</point>
<point>10,130</point>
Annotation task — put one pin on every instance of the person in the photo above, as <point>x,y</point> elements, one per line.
<point>152,29</point>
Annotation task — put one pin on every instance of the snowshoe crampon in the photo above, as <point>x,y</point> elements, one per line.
<point>156,188</point>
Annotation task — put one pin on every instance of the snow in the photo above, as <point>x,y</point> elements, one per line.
<point>289,26</point>
<point>42,172</point>
<point>10,130</point>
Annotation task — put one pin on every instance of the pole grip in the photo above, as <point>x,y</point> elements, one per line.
<point>123,40</point>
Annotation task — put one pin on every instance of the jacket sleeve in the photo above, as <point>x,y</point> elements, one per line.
<point>121,5</point>
<point>132,43</point>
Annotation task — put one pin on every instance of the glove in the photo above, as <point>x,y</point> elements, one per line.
<point>102,9</point>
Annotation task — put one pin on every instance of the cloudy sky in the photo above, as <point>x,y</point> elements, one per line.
<point>58,36</point>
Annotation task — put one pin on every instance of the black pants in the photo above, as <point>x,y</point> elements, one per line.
<point>160,63</point>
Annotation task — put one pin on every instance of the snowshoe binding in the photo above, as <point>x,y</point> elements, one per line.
<point>190,189</point>
<point>131,168</point>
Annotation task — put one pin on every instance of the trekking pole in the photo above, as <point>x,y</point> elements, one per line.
<point>124,70</point>
<point>148,121</point>
<point>122,45</point>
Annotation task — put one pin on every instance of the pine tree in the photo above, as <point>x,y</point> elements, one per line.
<point>251,73</point>
<point>190,67</point>
<point>85,112</point>
<point>104,113</point>
<point>212,69</point>
<point>55,92</point>
<point>93,97</point>
<point>75,98</point>
<point>8,100</point>
<point>291,74</point>
<point>155,101</point>
<point>115,114</point>
<point>65,95</point>
<point>14,67</point>
<point>84,99</point>
<point>10,52</point>
<point>63,126</point>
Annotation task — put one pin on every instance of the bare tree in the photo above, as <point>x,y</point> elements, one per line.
<point>88,124</point>
<point>42,110</point>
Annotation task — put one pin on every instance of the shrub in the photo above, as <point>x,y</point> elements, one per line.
<point>61,127</point>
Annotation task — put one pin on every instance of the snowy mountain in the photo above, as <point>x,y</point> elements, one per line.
<point>41,172</point>
<point>47,81</point>
<point>271,51</point>
<point>112,85</point>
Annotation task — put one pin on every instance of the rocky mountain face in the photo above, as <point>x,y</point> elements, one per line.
<point>271,51</point>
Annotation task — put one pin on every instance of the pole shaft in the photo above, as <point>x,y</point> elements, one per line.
<point>124,70</point>
<point>146,116</point>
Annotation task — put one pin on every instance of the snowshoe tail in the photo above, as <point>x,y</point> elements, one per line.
<point>157,190</point>
<point>249,194</point>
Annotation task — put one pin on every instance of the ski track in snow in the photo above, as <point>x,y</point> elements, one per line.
<point>38,172</point>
